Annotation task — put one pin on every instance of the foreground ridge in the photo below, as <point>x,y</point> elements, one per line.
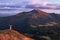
<point>12,35</point>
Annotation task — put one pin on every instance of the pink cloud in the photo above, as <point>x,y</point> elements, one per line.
<point>35,2</point>
<point>38,3</point>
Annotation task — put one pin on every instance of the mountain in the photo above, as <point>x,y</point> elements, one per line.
<point>32,18</point>
<point>34,24</point>
<point>56,16</point>
<point>12,35</point>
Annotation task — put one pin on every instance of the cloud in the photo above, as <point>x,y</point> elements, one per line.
<point>41,4</point>
<point>32,4</point>
<point>26,6</point>
<point>37,2</point>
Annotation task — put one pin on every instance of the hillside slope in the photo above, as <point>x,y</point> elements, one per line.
<point>12,35</point>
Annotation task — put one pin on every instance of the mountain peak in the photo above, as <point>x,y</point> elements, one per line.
<point>37,10</point>
<point>40,13</point>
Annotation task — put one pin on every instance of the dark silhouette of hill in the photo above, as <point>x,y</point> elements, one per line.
<point>56,16</point>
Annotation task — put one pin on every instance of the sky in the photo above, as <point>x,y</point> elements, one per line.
<point>15,1</point>
<point>19,1</point>
<point>24,5</point>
